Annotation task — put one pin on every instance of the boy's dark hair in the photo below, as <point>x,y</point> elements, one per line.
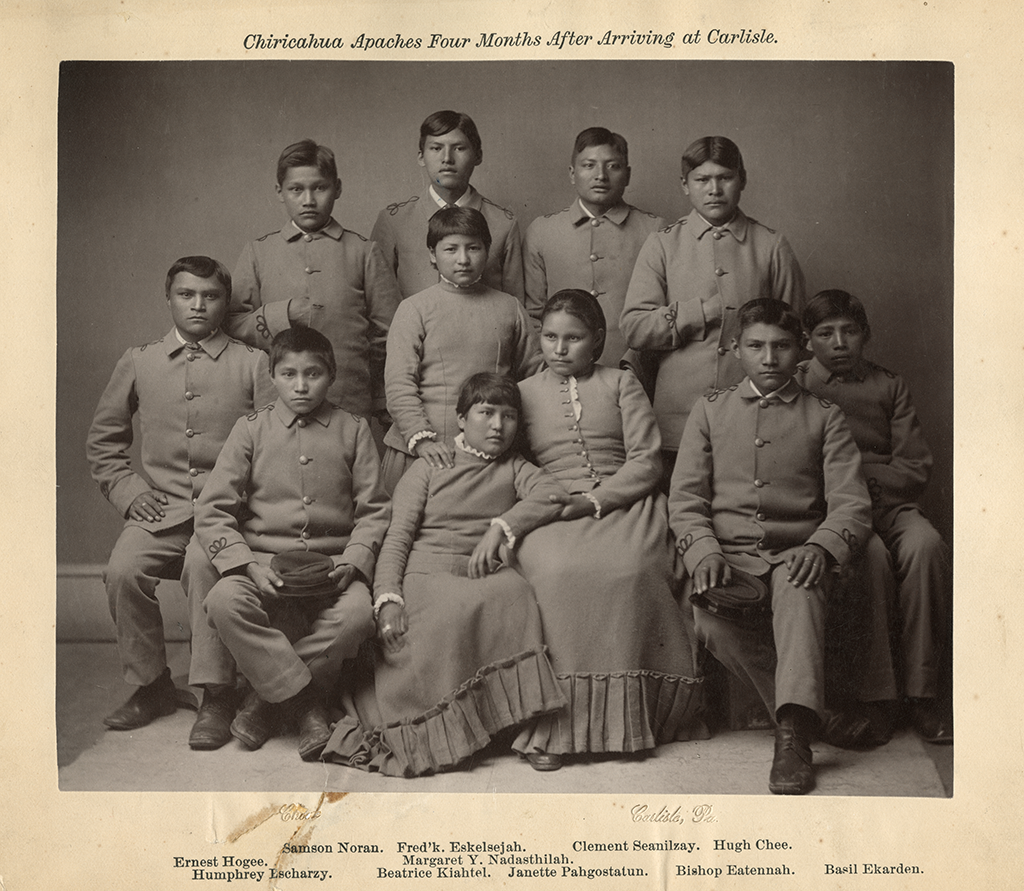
<point>441,122</point>
<point>769,311</point>
<point>720,150</point>
<point>307,154</point>
<point>201,267</point>
<point>581,305</point>
<point>595,136</point>
<point>303,340</point>
<point>495,389</point>
<point>832,304</point>
<point>458,221</point>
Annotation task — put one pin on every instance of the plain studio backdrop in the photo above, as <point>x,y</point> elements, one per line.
<point>852,161</point>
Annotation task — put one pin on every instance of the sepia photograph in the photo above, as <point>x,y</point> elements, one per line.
<point>836,181</point>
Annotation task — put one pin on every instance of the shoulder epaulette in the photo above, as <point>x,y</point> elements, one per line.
<point>265,237</point>
<point>392,209</point>
<point>144,346</point>
<point>553,213</point>
<point>646,213</point>
<point>508,214</point>
<point>874,365</point>
<point>714,394</point>
<point>241,343</point>
<point>680,222</point>
<point>762,225</point>
<point>356,234</point>
<point>823,402</point>
<point>255,414</point>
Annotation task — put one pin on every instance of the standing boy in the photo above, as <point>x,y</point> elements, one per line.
<point>768,496</point>
<point>188,389</point>
<point>593,243</point>
<point>298,475</point>
<point>897,464</point>
<point>450,150</point>
<point>691,278</point>
<point>314,273</point>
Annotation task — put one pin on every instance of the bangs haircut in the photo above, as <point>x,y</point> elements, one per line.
<point>200,267</point>
<point>580,305</point>
<point>488,387</point>
<point>718,149</point>
<point>458,221</point>
<point>835,304</point>
<point>441,122</point>
<point>303,340</point>
<point>596,136</point>
<point>307,153</point>
<point>769,311</point>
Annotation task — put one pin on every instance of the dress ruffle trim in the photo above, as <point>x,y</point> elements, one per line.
<point>500,695</point>
<point>627,711</point>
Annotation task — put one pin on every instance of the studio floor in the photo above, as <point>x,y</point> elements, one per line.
<point>157,757</point>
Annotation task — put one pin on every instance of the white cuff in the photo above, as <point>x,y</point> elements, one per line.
<point>385,598</point>
<point>510,538</point>
<point>597,504</point>
<point>423,434</point>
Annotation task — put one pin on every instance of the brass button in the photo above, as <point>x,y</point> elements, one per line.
<point>303,422</point>
<point>191,357</point>
<point>595,293</point>
<point>306,499</point>
<point>305,535</point>
<point>722,351</point>
<point>190,433</point>
<point>593,258</point>
<point>759,442</point>
<point>760,545</point>
<point>717,236</point>
<point>303,459</point>
<point>719,271</point>
<point>189,394</point>
<point>193,472</point>
<point>761,516</point>
<point>307,237</point>
<point>759,483</point>
<point>595,222</point>
<point>764,403</point>
<point>309,270</point>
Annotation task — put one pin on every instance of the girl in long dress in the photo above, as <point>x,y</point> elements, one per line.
<point>619,641</point>
<point>461,653</point>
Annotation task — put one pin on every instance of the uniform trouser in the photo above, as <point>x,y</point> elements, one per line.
<point>860,616</point>
<point>281,647</point>
<point>212,662</point>
<point>921,563</point>
<point>783,654</point>
<point>140,559</point>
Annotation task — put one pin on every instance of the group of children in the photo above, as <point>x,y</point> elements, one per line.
<point>718,518</point>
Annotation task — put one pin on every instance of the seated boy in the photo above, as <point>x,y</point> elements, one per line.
<point>897,464</point>
<point>298,475</point>
<point>768,494</point>
<point>450,149</point>
<point>188,389</point>
<point>593,243</point>
<point>315,273</point>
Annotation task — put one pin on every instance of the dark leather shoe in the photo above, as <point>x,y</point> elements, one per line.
<point>256,722</point>
<point>152,701</point>
<point>792,771</point>
<point>212,728</point>
<point>544,761</point>
<point>861,725</point>
<point>314,731</point>
<point>928,723</point>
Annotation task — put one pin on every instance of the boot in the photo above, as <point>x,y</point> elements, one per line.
<point>792,772</point>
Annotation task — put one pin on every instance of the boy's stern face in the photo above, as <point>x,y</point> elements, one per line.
<point>769,355</point>
<point>198,305</point>
<point>302,381</point>
<point>460,258</point>
<point>600,175</point>
<point>449,160</point>
<point>714,191</point>
<point>838,344</point>
<point>488,428</point>
<point>309,197</point>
